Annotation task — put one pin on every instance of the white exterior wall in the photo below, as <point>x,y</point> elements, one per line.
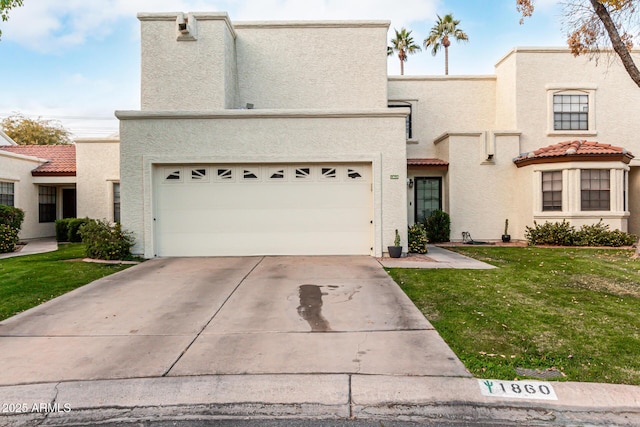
<point>324,65</point>
<point>188,74</point>
<point>443,104</point>
<point>97,168</point>
<point>17,168</point>
<point>375,136</point>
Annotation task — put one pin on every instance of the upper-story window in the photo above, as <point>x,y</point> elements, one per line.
<point>409,119</point>
<point>570,112</point>
<point>7,193</point>
<point>595,190</point>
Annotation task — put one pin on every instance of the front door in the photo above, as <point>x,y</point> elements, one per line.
<point>68,203</point>
<point>428,197</point>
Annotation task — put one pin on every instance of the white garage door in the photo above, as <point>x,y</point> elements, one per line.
<point>298,209</point>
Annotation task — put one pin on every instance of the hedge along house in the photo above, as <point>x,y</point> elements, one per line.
<point>50,182</point>
<point>262,138</point>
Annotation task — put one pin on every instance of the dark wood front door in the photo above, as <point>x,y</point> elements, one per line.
<point>69,203</point>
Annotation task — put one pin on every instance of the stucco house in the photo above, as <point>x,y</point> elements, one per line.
<point>267,138</point>
<point>50,182</point>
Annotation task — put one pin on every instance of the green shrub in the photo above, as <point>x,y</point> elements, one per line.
<point>417,239</point>
<point>11,216</point>
<point>8,238</point>
<point>438,226</point>
<point>104,240</point>
<point>564,234</point>
<point>600,235</point>
<point>550,233</point>
<point>73,232</point>
<point>62,230</point>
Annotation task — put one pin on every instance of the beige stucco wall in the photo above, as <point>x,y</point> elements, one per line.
<point>258,136</point>
<point>442,104</point>
<point>312,64</point>
<point>97,168</point>
<point>17,169</point>
<point>181,74</point>
<point>542,70</point>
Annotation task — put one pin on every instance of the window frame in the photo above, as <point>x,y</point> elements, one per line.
<point>409,119</point>
<point>553,207</point>
<point>9,195</point>
<point>115,188</point>
<point>589,91</point>
<point>47,212</point>
<point>416,179</point>
<point>591,192</point>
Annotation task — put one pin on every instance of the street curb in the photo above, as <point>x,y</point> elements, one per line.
<point>315,396</point>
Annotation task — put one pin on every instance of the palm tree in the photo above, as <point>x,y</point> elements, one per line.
<point>404,45</point>
<point>439,36</point>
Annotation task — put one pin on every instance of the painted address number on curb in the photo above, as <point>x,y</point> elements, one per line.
<point>518,389</point>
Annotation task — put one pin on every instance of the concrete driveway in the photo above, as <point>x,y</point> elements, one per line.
<point>203,316</point>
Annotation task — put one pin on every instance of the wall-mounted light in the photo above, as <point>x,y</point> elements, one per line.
<point>409,182</point>
<point>489,157</point>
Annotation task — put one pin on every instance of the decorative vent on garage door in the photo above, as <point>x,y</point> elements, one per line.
<point>277,174</point>
<point>329,173</point>
<point>303,173</point>
<point>250,174</point>
<point>353,174</point>
<point>224,174</point>
<point>199,174</point>
<point>173,175</point>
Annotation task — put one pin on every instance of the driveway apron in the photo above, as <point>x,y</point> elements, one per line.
<point>249,315</point>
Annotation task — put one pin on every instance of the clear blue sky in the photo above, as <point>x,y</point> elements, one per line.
<point>79,60</point>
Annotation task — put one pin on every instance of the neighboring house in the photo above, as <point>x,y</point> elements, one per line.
<point>268,138</point>
<point>289,138</point>
<point>50,182</point>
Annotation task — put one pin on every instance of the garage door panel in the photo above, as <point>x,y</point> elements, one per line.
<point>235,217</point>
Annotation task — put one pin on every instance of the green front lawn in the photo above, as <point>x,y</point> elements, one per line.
<point>573,311</point>
<point>29,280</point>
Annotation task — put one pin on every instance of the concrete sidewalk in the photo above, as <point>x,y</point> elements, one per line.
<point>436,257</point>
<point>316,396</point>
<point>34,246</point>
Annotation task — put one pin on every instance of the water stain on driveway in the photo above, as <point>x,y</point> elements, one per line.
<point>310,308</point>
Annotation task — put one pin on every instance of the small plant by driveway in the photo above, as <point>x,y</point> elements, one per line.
<point>570,312</point>
<point>30,280</point>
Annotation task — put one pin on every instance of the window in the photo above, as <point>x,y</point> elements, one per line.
<point>570,112</point>
<point>174,175</point>
<point>116,202</point>
<point>409,117</point>
<point>552,191</point>
<point>329,173</point>
<point>7,193</point>
<point>47,204</point>
<point>595,189</point>
<point>428,197</point>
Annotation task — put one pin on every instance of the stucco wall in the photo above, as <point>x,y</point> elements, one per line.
<point>312,65</point>
<point>17,169</point>
<point>615,103</point>
<point>442,104</point>
<point>97,168</point>
<point>187,74</point>
<point>375,136</point>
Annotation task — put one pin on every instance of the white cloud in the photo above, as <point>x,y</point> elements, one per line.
<point>48,26</point>
<point>52,27</point>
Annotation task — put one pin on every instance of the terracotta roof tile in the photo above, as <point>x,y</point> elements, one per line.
<point>427,162</point>
<point>61,158</point>
<point>574,150</point>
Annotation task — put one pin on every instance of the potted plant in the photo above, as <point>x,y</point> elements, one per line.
<point>506,238</point>
<point>395,251</point>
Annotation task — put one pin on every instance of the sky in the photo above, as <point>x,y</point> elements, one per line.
<point>77,61</point>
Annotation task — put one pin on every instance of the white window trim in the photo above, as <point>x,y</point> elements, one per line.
<point>571,191</point>
<point>590,91</point>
